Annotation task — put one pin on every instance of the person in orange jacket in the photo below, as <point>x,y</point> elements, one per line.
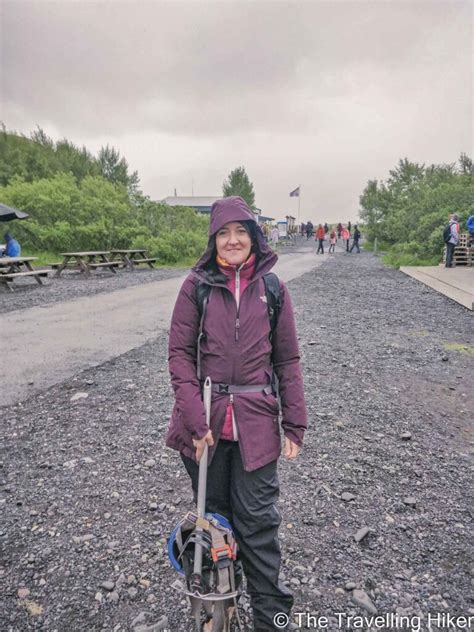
<point>320,234</point>
<point>346,237</point>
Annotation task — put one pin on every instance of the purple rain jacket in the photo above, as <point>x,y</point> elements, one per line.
<point>240,355</point>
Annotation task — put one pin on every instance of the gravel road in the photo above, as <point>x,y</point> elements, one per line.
<point>89,492</point>
<point>71,285</point>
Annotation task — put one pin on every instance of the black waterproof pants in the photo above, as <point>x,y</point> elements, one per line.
<point>320,246</point>
<point>247,500</point>
<point>355,244</point>
<point>449,254</point>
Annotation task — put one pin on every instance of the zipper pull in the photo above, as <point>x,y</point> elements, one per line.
<point>237,327</point>
<point>231,399</point>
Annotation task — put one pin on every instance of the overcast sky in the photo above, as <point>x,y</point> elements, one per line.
<point>322,94</point>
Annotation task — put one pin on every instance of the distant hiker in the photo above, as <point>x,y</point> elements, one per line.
<point>346,237</point>
<point>349,226</point>
<point>355,239</point>
<point>240,348</point>
<point>13,248</point>
<point>451,238</point>
<point>266,230</point>
<point>274,236</point>
<point>309,230</point>
<point>303,229</point>
<point>326,228</point>
<point>332,241</point>
<point>339,230</point>
<point>320,234</point>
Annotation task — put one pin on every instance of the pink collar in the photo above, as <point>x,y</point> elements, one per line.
<point>247,269</point>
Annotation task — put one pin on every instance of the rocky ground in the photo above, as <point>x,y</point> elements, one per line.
<point>376,511</point>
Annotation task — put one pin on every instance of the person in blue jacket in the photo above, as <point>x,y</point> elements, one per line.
<point>13,248</point>
<point>470,229</point>
<point>470,225</point>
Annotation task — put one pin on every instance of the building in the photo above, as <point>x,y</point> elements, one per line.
<point>202,204</point>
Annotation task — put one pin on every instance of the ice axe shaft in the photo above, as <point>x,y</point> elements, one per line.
<point>202,483</point>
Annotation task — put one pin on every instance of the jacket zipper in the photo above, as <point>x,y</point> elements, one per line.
<point>237,298</point>
<point>237,327</point>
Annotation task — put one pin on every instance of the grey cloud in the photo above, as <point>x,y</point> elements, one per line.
<point>198,67</point>
<point>298,92</point>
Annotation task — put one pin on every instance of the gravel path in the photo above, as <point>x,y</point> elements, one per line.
<point>71,285</point>
<point>90,493</point>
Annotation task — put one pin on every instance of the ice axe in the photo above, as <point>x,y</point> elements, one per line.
<point>196,578</point>
<point>202,547</point>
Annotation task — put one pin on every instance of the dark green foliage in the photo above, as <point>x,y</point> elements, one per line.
<point>238,183</point>
<point>40,157</point>
<point>115,169</point>
<point>76,202</point>
<point>408,211</point>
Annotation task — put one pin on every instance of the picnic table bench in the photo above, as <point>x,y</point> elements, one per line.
<point>133,257</point>
<point>12,268</point>
<point>85,262</point>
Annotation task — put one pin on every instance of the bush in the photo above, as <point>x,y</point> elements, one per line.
<point>95,214</point>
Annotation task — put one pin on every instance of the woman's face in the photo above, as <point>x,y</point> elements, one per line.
<point>233,243</point>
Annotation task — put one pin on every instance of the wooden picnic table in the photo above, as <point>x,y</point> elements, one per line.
<point>133,257</point>
<point>12,268</point>
<point>86,261</point>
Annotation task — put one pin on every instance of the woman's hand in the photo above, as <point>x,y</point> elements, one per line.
<point>291,449</point>
<point>200,443</point>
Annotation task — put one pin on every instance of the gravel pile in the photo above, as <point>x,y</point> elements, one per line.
<point>376,512</point>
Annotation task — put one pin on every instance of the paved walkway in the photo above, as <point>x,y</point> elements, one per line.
<point>52,343</point>
<point>455,283</point>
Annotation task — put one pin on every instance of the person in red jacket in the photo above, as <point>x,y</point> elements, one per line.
<point>320,235</point>
<point>240,352</point>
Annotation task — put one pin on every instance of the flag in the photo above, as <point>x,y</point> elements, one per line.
<point>295,193</point>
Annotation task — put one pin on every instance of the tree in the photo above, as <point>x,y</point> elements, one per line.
<point>466,165</point>
<point>115,169</point>
<point>407,212</point>
<point>238,183</point>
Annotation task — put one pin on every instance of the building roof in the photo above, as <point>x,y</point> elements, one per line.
<point>193,201</point>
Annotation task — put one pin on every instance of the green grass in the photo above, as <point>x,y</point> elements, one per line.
<point>395,260</point>
<point>46,258</point>
<point>461,348</point>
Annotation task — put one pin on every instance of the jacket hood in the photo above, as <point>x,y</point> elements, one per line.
<point>235,209</point>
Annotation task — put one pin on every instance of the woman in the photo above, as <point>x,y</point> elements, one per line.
<point>239,352</point>
<point>332,241</point>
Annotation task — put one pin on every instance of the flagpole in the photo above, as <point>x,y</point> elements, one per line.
<point>299,198</point>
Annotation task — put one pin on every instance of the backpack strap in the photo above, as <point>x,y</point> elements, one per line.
<point>273,294</point>
<point>202,298</point>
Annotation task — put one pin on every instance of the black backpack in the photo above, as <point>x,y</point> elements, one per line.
<point>447,233</point>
